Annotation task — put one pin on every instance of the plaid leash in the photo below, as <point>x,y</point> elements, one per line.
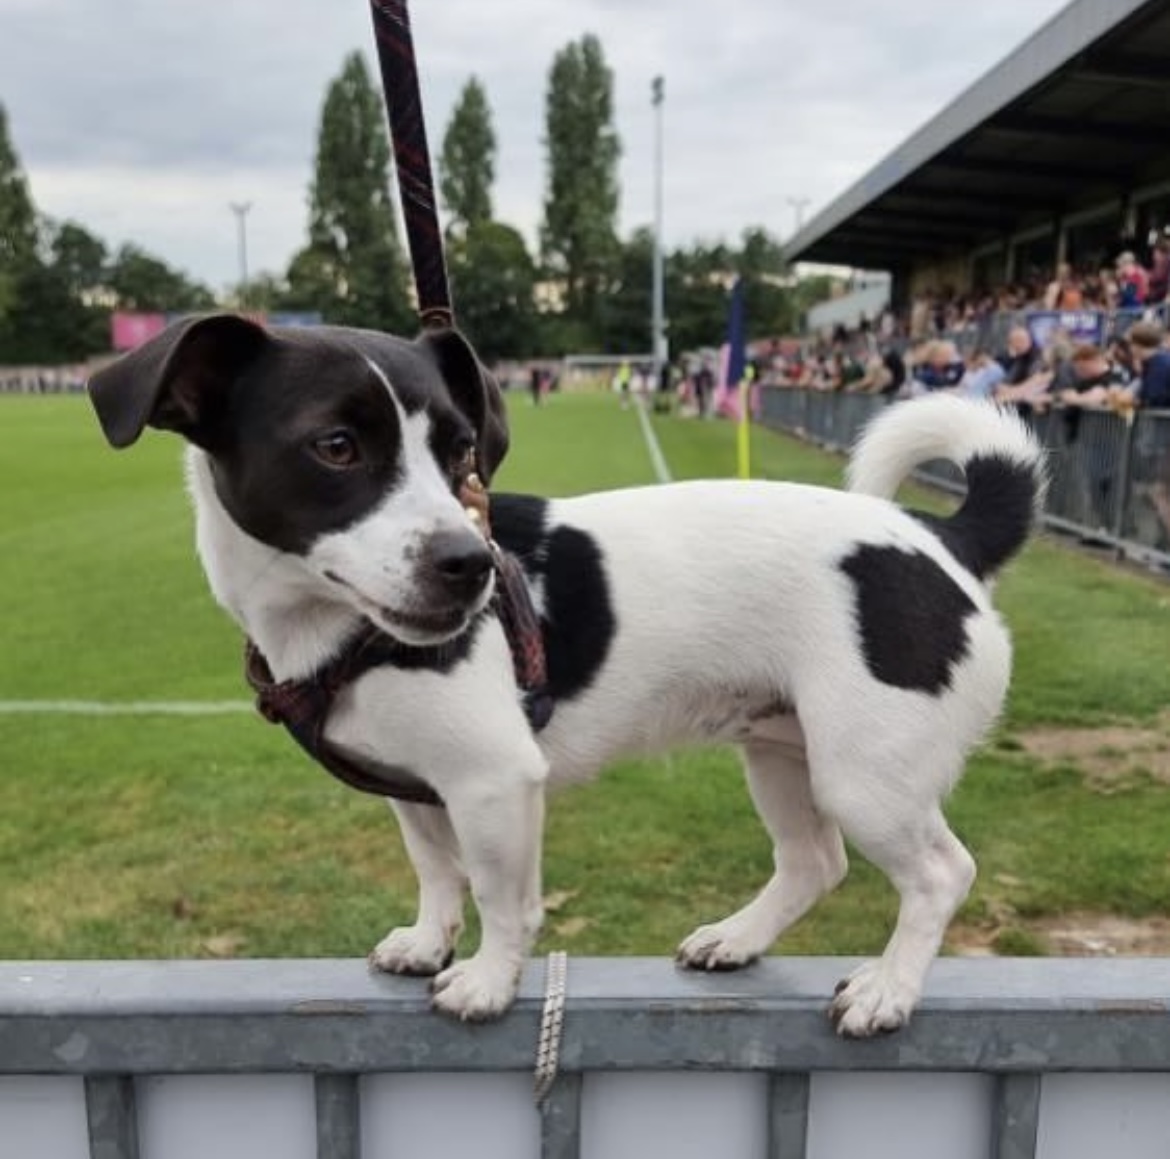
<point>303,706</point>
<point>412,160</point>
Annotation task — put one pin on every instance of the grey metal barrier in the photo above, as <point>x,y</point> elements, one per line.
<point>1110,474</point>
<point>1012,1059</point>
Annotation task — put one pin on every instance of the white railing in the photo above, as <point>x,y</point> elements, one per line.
<point>1052,1059</point>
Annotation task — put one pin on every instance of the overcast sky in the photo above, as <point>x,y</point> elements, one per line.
<point>143,119</point>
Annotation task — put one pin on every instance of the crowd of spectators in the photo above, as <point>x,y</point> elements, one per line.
<point>958,343</point>
<point>42,379</point>
<point>1110,351</point>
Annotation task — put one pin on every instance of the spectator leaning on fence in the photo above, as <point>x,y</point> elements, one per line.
<point>1147,342</point>
<point>1026,379</point>
<point>937,367</point>
<point>885,374</point>
<point>982,376</point>
<point>1096,378</point>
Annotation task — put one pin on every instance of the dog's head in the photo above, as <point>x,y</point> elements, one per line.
<point>343,448</point>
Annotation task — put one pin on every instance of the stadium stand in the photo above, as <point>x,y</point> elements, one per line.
<point>1026,233</point>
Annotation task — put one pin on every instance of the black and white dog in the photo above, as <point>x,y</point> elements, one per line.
<point>850,648</point>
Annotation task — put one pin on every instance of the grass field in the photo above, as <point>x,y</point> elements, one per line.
<point>167,836</point>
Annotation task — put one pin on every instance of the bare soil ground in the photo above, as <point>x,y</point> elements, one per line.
<point>1108,754</point>
<point>1109,757</point>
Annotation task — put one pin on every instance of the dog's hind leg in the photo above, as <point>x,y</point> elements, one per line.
<point>427,946</point>
<point>932,872</point>
<point>809,858</point>
<point>499,828</point>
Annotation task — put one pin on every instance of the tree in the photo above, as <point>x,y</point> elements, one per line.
<point>697,282</point>
<point>579,235</point>
<point>18,221</point>
<point>492,282</point>
<point>78,257</point>
<point>626,323</point>
<point>265,292</point>
<point>768,305</point>
<point>352,269</point>
<point>467,163</point>
<point>143,282</point>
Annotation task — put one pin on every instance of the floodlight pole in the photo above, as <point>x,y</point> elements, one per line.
<point>798,204</point>
<point>658,314</point>
<point>241,209</point>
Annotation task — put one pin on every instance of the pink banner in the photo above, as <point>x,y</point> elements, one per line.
<point>130,330</point>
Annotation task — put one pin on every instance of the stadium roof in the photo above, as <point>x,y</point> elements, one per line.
<point>1075,117</point>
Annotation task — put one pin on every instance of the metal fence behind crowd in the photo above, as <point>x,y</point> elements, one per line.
<point>1110,473</point>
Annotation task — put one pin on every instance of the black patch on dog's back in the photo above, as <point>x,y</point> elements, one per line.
<point>910,616</point>
<point>578,623</point>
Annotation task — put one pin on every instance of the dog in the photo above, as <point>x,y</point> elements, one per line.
<point>847,646</point>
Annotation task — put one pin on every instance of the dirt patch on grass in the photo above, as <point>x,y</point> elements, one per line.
<point>1108,755</point>
<point>1075,935</point>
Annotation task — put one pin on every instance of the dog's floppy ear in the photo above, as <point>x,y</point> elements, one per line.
<point>474,391</point>
<point>175,380</point>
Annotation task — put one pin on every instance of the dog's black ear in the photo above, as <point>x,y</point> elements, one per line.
<point>175,380</point>
<point>474,391</point>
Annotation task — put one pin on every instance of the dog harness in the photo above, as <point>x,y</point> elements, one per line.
<point>303,706</point>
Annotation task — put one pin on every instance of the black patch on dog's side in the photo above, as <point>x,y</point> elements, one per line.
<point>578,624</point>
<point>995,518</point>
<point>910,616</point>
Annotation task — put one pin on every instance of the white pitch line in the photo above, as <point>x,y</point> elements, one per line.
<point>657,458</point>
<point>125,708</point>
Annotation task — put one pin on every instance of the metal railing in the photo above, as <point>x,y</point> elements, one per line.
<point>1110,475</point>
<point>1013,1059</point>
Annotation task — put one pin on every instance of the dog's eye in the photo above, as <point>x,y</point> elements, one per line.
<point>336,449</point>
<point>462,456</point>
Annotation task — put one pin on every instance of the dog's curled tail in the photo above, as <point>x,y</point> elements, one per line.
<point>1003,463</point>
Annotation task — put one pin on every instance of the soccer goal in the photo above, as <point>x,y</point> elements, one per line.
<point>601,371</point>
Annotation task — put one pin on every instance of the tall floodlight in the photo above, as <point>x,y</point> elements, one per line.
<point>798,204</point>
<point>240,209</point>
<point>657,311</point>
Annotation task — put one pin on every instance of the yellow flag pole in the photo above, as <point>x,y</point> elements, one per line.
<point>744,433</point>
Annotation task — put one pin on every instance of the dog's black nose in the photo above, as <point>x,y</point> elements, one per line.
<point>461,561</point>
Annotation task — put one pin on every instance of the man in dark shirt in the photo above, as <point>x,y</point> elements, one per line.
<point>1026,380</point>
<point>896,370</point>
<point>1094,379</point>
<point>1022,359</point>
<point>1094,376</point>
<point>1147,341</point>
<point>1153,362</point>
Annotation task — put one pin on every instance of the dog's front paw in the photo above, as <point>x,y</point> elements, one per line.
<point>871,1001</point>
<point>413,950</point>
<point>476,990</point>
<point>726,945</point>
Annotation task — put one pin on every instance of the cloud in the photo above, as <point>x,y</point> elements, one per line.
<point>144,119</point>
